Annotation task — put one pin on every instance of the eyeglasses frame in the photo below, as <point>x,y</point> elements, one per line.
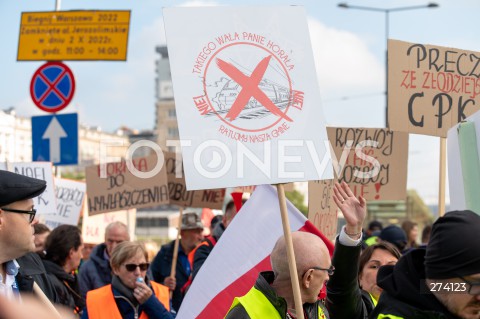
<point>330,271</point>
<point>32,212</point>
<point>471,285</point>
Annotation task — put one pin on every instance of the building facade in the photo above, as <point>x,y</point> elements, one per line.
<point>166,126</point>
<point>94,145</point>
<point>15,137</point>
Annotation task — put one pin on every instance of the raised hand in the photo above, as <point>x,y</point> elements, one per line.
<point>354,210</point>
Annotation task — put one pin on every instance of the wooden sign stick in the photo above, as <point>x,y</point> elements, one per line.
<point>442,179</point>
<point>175,249</point>
<point>46,301</point>
<point>290,253</point>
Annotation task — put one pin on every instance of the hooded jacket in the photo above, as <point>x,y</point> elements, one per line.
<point>65,285</point>
<point>32,270</point>
<point>405,293</point>
<point>95,272</point>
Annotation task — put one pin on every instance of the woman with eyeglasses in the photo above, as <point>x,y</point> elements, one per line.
<point>63,252</point>
<point>131,294</point>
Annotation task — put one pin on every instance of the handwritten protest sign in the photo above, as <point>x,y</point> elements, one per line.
<point>115,186</point>
<point>70,196</point>
<point>373,163</point>
<point>93,227</point>
<point>431,88</point>
<point>208,198</point>
<point>45,203</point>
<point>246,96</point>
<point>322,210</point>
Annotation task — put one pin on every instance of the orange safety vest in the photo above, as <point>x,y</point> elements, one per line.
<point>101,302</point>
<point>209,240</point>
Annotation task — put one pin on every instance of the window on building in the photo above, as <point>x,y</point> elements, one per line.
<point>172,113</point>
<point>152,222</point>
<point>172,132</point>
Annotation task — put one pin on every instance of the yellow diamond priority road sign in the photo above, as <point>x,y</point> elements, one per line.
<point>74,35</point>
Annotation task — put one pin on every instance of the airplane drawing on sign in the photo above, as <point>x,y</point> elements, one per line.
<point>248,92</point>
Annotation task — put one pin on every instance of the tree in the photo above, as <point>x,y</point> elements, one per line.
<point>297,199</point>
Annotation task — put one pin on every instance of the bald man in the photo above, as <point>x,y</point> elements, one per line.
<point>272,294</point>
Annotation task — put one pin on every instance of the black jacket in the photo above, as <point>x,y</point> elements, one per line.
<point>201,254</point>
<point>405,293</point>
<point>65,285</point>
<point>161,267</point>
<point>203,251</point>
<point>345,299</point>
<point>264,280</point>
<point>32,270</point>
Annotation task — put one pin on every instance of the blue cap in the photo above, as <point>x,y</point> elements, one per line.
<point>395,235</point>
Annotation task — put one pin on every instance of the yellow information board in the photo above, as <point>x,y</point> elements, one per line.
<point>73,35</point>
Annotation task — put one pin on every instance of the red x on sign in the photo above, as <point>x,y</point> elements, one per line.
<point>52,87</point>
<point>249,88</point>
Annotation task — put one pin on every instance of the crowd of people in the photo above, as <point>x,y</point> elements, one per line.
<point>378,272</point>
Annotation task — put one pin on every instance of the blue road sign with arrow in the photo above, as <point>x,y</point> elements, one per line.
<point>55,139</point>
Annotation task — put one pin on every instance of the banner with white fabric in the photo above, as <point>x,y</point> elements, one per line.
<point>463,143</point>
<point>241,253</point>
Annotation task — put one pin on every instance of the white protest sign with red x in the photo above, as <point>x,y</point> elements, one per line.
<point>246,95</point>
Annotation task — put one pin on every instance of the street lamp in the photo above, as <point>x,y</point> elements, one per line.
<point>387,11</point>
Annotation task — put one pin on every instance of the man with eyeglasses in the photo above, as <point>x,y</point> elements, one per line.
<point>17,217</point>
<point>441,281</point>
<point>272,294</point>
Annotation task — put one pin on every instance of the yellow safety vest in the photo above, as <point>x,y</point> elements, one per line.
<point>375,302</point>
<point>371,241</point>
<point>259,307</point>
<point>382,316</point>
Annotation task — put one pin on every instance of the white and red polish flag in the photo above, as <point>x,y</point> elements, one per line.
<point>242,252</point>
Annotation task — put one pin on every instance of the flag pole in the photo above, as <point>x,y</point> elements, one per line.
<point>442,180</point>
<point>290,253</point>
<point>175,249</point>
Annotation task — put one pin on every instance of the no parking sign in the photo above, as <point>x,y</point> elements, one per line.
<point>52,87</point>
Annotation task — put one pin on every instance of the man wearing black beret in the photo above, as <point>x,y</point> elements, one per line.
<point>442,281</point>
<point>17,217</point>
